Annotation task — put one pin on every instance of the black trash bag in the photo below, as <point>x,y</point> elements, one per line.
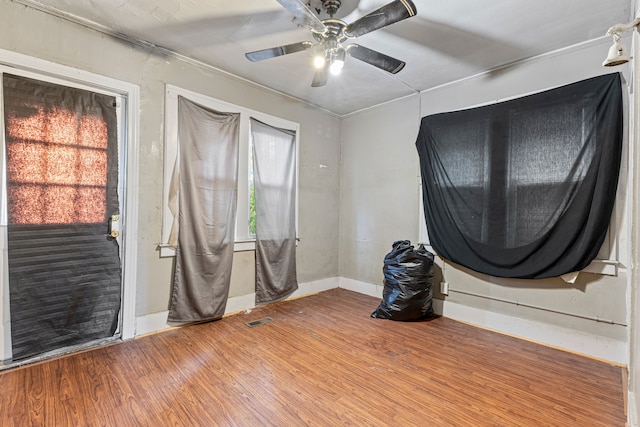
<point>408,277</point>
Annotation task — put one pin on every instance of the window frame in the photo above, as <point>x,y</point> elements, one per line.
<point>243,239</point>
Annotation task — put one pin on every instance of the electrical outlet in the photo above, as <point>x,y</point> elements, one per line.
<point>444,288</point>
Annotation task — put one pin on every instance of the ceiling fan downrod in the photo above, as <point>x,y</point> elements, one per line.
<point>331,6</point>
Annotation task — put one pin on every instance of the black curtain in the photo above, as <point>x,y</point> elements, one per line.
<point>524,188</point>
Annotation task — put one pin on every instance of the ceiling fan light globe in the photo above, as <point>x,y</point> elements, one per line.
<point>319,61</point>
<point>336,67</point>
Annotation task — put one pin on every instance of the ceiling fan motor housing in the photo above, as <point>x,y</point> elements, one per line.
<point>331,6</point>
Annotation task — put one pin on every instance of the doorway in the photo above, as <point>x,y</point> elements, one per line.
<point>63,216</point>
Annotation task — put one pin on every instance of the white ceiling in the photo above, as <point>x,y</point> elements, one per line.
<point>448,39</point>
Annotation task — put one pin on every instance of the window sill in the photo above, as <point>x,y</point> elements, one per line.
<point>602,266</point>
<point>605,267</point>
<point>168,251</point>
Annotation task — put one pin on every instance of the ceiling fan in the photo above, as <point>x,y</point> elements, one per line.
<point>331,33</point>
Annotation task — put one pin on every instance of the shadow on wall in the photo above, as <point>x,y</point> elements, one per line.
<point>437,279</point>
<point>582,282</point>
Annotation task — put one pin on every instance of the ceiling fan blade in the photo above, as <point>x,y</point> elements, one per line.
<point>259,55</point>
<point>377,59</point>
<point>303,15</point>
<point>321,76</point>
<point>386,15</point>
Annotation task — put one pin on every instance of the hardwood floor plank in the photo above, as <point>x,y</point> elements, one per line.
<point>323,361</point>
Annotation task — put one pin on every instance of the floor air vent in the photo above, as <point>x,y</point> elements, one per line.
<point>259,322</point>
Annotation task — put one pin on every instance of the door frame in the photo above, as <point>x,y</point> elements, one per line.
<point>128,139</point>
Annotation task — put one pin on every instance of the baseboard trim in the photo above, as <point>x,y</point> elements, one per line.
<point>632,410</point>
<point>598,347</point>
<point>360,287</point>
<point>156,322</point>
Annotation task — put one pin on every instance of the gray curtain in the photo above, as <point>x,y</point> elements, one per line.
<point>206,176</point>
<point>274,174</point>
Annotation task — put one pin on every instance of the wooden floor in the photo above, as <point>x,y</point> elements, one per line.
<point>321,362</point>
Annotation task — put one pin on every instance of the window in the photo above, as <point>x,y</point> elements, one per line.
<point>57,167</point>
<point>245,217</point>
<point>513,184</point>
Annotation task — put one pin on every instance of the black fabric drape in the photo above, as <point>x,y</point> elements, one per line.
<point>62,180</point>
<point>524,188</point>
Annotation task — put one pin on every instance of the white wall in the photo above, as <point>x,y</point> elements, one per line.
<point>37,34</point>
<point>378,190</point>
<point>379,204</point>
